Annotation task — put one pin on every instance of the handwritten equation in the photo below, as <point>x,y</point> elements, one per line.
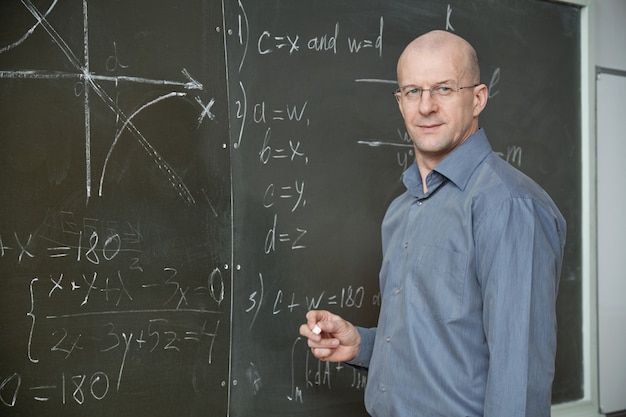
<point>105,304</point>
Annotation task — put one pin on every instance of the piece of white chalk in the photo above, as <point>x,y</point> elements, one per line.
<point>317,329</point>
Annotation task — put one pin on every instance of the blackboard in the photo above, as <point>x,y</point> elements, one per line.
<point>182,182</point>
<point>115,224</point>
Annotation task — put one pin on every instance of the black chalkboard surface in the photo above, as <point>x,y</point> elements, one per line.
<point>181,182</point>
<point>115,218</point>
<point>321,147</point>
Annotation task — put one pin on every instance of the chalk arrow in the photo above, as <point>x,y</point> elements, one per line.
<point>192,84</point>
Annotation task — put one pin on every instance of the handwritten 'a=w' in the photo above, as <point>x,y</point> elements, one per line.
<point>91,82</point>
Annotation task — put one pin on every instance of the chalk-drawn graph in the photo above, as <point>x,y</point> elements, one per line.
<point>92,89</point>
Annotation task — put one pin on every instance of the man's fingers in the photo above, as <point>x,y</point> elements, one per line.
<point>323,343</point>
<point>305,331</point>
<point>321,353</point>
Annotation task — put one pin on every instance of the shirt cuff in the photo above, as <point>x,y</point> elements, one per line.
<point>362,359</point>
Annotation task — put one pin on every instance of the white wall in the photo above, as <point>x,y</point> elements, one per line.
<point>610,54</point>
<point>610,34</point>
<point>611,176</point>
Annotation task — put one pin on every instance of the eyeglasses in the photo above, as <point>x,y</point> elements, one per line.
<point>411,94</point>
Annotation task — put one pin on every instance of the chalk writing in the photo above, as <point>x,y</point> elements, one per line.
<point>160,333</point>
<point>293,152</point>
<point>448,15</point>
<point>495,79</point>
<point>347,297</point>
<point>73,388</point>
<point>88,83</point>
<point>313,373</point>
<point>132,313</point>
<point>274,194</point>
<point>293,239</point>
<point>294,43</point>
<point>286,113</point>
<point>376,43</point>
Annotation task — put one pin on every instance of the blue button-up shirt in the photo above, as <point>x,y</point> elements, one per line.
<point>469,281</point>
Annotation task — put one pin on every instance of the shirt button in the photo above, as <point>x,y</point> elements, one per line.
<point>406,245</point>
<point>419,203</point>
<point>388,339</point>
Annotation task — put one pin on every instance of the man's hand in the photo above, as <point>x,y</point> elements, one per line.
<point>330,337</point>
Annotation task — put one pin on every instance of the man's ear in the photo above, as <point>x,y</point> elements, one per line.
<point>481,94</point>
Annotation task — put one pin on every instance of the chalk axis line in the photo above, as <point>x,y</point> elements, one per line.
<point>91,82</point>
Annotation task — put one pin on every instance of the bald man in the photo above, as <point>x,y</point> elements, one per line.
<point>472,255</point>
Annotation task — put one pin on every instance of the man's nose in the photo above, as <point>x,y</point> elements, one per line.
<point>427,103</point>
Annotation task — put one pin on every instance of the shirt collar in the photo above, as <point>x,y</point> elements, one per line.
<point>458,166</point>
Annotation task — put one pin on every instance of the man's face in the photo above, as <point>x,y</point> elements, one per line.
<point>437,124</point>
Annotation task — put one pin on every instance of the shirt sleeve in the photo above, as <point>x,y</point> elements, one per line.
<point>519,254</point>
<point>362,360</point>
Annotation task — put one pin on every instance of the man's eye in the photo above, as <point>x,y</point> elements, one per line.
<point>413,92</point>
<point>443,89</point>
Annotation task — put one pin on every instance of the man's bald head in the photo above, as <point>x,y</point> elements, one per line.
<point>438,40</point>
